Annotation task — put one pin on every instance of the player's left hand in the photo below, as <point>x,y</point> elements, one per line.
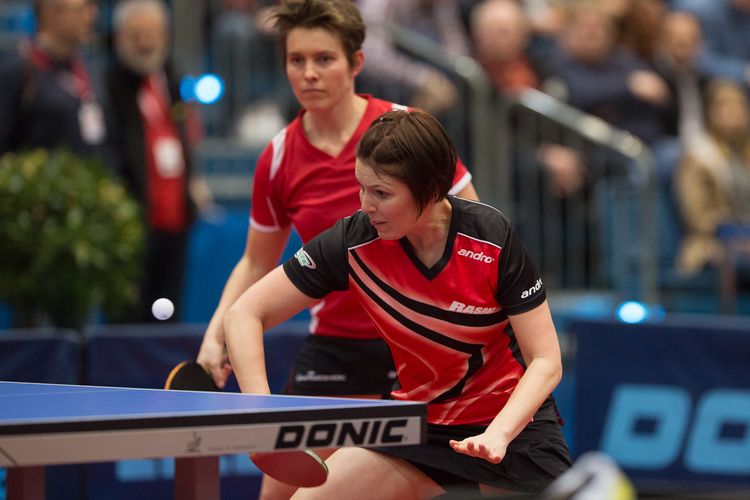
<point>481,446</point>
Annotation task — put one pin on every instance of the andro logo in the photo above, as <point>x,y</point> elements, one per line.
<point>368,432</point>
<point>304,259</point>
<point>531,291</point>
<point>463,308</point>
<point>480,256</point>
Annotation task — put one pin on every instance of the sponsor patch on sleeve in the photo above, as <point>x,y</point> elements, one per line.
<point>532,290</point>
<point>304,259</point>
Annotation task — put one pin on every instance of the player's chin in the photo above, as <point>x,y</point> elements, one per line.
<point>385,234</point>
<point>314,102</point>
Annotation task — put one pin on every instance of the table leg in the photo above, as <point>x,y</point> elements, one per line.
<point>25,483</point>
<point>197,478</point>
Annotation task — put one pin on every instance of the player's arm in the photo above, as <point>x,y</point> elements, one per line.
<point>468,192</point>
<point>267,303</point>
<point>537,338</point>
<point>262,253</point>
<point>462,185</point>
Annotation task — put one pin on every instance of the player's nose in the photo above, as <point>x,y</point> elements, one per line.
<point>310,72</point>
<point>366,203</point>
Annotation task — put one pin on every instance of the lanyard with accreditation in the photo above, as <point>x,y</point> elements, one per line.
<point>76,82</point>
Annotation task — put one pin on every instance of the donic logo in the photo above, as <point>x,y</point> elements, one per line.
<point>532,290</point>
<point>304,259</point>
<point>480,256</point>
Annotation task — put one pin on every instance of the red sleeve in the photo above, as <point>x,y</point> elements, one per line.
<point>266,209</point>
<point>462,178</point>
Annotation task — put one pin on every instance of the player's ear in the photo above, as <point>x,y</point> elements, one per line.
<point>359,62</point>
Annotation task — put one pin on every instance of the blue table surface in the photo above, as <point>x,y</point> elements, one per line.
<point>26,403</point>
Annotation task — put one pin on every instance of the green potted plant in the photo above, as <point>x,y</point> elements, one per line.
<point>70,239</point>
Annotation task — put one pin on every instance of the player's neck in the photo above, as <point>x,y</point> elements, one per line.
<point>431,232</point>
<point>331,129</point>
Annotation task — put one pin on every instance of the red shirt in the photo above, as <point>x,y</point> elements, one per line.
<point>165,161</point>
<point>296,183</point>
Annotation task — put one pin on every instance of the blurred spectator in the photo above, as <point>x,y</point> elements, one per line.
<point>501,31</point>
<point>713,181</point>
<point>48,98</point>
<point>726,30</point>
<point>595,75</point>
<point>155,136</point>
<point>640,26</point>
<point>676,60</point>
<point>438,20</point>
<point>245,54</point>
<point>548,19</point>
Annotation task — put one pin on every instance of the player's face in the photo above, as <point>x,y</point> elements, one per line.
<point>317,68</point>
<point>387,201</point>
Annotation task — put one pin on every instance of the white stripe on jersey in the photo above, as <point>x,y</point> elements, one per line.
<point>262,228</point>
<point>278,151</point>
<point>462,183</point>
<point>314,319</point>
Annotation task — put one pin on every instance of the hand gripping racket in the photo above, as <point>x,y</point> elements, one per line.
<point>303,469</point>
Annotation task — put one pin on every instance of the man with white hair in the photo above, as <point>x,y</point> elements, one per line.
<point>47,97</point>
<point>156,134</point>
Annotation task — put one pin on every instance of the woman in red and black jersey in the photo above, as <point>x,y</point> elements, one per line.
<point>462,307</point>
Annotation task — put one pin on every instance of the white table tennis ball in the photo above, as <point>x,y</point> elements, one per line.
<point>162,309</point>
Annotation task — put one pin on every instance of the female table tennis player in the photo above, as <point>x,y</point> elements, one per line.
<point>305,178</point>
<point>455,295</point>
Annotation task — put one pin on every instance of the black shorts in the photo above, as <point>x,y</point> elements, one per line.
<point>535,458</point>
<point>335,366</point>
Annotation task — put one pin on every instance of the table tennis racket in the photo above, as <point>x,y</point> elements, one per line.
<point>190,376</point>
<point>303,469</point>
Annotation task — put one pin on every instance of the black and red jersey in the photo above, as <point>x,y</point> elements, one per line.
<point>447,325</point>
<point>297,183</point>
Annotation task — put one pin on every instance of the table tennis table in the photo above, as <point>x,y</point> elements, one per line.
<point>50,424</point>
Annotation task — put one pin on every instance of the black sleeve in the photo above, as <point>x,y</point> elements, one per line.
<point>321,266</point>
<point>520,287</point>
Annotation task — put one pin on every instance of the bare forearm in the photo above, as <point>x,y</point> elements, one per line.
<point>244,339</point>
<point>540,379</point>
<point>241,278</point>
<point>267,303</point>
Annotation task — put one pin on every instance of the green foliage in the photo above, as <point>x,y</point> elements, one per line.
<point>70,238</point>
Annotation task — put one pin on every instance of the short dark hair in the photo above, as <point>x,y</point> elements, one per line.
<point>340,17</point>
<point>414,148</point>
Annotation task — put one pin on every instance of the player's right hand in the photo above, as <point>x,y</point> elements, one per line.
<point>214,359</point>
